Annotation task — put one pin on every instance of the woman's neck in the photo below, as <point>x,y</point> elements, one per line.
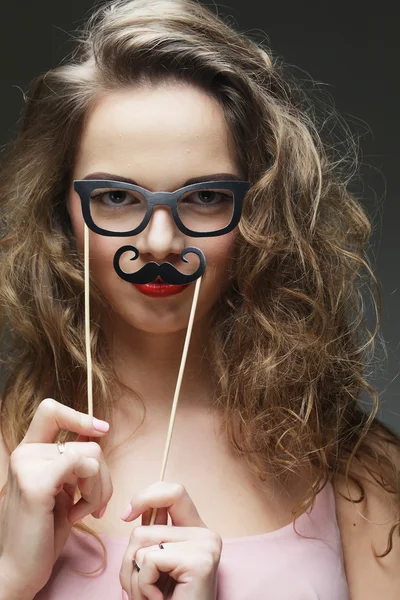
<point>148,363</point>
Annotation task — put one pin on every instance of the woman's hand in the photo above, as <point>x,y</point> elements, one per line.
<point>38,510</point>
<point>191,552</point>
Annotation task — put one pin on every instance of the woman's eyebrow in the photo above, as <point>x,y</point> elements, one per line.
<point>214,177</point>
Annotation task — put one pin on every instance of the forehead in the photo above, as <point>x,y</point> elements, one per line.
<point>161,135</point>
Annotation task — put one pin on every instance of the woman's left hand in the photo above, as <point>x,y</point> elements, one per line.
<point>191,552</point>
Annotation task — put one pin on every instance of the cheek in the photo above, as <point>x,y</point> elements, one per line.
<point>220,250</point>
<point>219,254</point>
<point>101,248</point>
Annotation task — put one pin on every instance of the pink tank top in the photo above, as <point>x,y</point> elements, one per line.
<point>279,565</point>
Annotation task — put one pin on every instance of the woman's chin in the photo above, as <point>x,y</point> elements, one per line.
<point>156,316</point>
<point>159,329</point>
<point>160,324</point>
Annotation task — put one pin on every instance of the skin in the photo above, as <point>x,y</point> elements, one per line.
<point>160,137</point>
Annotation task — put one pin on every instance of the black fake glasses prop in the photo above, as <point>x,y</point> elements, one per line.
<point>119,209</point>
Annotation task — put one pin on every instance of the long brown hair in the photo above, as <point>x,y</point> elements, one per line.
<point>289,340</point>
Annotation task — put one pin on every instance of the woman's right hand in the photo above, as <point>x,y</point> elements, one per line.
<point>38,510</point>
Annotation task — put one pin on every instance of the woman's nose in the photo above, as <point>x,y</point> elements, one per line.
<point>161,236</point>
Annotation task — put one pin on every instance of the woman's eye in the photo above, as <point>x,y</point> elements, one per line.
<point>117,197</point>
<point>114,198</point>
<point>206,197</point>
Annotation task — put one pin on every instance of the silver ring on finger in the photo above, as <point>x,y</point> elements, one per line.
<point>136,566</point>
<point>61,447</point>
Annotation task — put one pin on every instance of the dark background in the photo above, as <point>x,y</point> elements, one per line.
<point>350,48</point>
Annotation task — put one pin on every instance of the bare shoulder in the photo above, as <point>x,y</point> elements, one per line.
<point>364,527</point>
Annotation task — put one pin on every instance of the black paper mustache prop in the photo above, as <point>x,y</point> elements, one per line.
<point>167,272</point>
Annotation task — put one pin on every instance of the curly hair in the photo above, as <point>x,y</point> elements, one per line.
<point>289,339</point>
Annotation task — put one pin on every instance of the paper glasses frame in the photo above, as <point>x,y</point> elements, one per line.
<point>84,188</point>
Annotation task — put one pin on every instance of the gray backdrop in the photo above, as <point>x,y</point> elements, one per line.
<point>352,49</point>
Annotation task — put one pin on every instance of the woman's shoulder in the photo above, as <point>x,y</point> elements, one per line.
<point>365,527</point>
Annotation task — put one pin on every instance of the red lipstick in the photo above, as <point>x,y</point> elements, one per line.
<point>159,289</point>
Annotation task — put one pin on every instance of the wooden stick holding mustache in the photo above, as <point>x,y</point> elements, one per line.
<point>168,586</point>
<point>178,388</point>
<point>169,582</point>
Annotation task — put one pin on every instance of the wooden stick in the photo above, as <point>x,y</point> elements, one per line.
<point>87,322</point>
<point>178,388</point>
<point>181,368</point>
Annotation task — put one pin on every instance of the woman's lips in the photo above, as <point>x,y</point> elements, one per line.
<point>159,289</point>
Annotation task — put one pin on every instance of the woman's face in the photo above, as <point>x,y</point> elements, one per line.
<point>158,137</point>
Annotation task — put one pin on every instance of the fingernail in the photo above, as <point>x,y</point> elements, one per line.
<point>103,510</point>
<point>124,595</point>
<point>126,512</point>
<point>99,425</point>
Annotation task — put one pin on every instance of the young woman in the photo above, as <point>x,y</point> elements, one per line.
<point>277,484</point>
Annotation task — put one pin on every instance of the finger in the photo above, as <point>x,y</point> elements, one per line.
<point>147,536</point>
<point>89,503</point>
<point>144,538</point>
<point>156,564</point>
<point>51,417</point>
<point>96,489</point>
<point>86,484</point>
<point>141,536</point>
<point>146,584</point>
<point>83,508</point>
<point>161,516</point>
<point>69,490</point>
<point>193,564</point>
<point>59,471</point>
<point>172,496</point>
<point>93,500</point>
<point>106,487</point>
<point>87,468</point>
